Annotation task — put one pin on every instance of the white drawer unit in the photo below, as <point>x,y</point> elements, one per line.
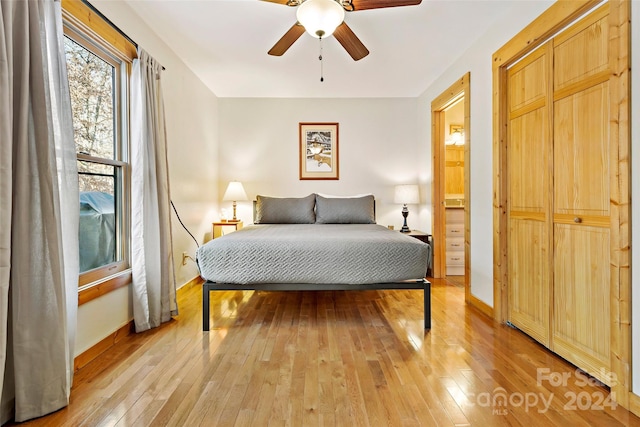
<point>454,227</point>
<point>455,244</point>
<point>455,230</point>
<point>455,259</point>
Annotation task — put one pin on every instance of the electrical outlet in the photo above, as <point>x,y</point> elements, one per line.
<point>185,255</point>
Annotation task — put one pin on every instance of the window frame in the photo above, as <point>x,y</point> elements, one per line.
<point>95,33</point>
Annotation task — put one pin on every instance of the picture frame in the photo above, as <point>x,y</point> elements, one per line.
<point>453,128</point>
<point>318,146</point>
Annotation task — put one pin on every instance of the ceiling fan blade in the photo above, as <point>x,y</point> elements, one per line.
<point>350,42</point>
<point>278,1</point>
<point>287,40</point>
<point>380,4</point>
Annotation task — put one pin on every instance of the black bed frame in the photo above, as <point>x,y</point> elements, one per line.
<point>208,286</point>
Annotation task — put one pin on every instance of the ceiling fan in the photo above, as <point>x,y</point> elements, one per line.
<point>321,18</point>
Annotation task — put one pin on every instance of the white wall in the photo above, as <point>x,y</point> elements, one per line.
<point>191,112</point>
<point>477,60</point>
<point>378,148</point>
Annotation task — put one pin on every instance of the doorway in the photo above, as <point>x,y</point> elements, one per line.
<point>450,114</point>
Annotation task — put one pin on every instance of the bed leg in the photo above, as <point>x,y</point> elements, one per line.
<point>427,304</point>
<point>205,307</point>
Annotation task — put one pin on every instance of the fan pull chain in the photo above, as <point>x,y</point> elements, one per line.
<point>320,58</point>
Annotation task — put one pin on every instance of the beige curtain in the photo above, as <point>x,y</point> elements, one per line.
<point>38,213</point>
<point>154,283</point>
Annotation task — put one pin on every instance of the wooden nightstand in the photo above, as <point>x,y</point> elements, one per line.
<point>428,239</point>
<point>222,228</point>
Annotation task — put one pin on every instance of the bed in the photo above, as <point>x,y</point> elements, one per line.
<point>314,243</point>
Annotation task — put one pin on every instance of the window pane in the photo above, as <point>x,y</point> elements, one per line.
<point>91,84</point>
<point>98,227</point>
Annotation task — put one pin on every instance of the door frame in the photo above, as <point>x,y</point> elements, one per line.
<point>459,89</point>
<point>553,20</point>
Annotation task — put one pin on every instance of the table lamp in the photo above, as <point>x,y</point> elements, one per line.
<point>406,194</point>
<point>235,192</point>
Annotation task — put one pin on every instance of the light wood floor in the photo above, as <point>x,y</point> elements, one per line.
<point>333,358</point>
<point>456,280</point>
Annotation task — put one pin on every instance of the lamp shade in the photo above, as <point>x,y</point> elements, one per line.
<point>235,192</point>
<point>320,18</point>
<point>407,194</point>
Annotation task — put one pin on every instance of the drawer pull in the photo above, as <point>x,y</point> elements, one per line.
<point>455,231</point>
<point>455,244</point>
<point>577,220</point>
<point>455,259</point>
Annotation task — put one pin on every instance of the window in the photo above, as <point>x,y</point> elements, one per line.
<point>98,84</point>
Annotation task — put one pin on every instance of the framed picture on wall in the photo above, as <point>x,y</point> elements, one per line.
<point>319,151</point>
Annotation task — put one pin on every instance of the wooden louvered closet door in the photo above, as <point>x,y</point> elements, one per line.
<point>559,194</point>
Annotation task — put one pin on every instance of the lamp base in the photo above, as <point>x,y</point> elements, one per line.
<point>234,213</point>
<point>405,214</point>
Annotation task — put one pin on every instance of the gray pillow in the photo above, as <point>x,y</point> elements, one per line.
<point>293,210</point>
<point>351,210</point>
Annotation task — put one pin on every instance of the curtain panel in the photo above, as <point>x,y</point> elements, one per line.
<point>39,212</point>
<point>152,267</point>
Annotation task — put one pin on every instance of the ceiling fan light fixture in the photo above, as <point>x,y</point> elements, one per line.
<point>320,18</point>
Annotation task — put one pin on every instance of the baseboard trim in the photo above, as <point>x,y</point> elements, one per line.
<point>634,403</point>
<point>480,305</point>
<point>196,281</point>
<point>87,356</point>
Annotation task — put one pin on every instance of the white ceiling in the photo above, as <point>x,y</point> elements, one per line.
<point>225,42</point>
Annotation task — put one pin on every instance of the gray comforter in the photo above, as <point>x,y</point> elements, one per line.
<point>313,253</point>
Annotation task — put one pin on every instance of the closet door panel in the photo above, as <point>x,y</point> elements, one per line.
<point>581,317</point>
<point>529,172</point>
<point>529,277</point>
<point>529,162</point>
<point>582,52</point>
<point>581,150</point>
<point>581,308</point>
<point>528,78</point>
